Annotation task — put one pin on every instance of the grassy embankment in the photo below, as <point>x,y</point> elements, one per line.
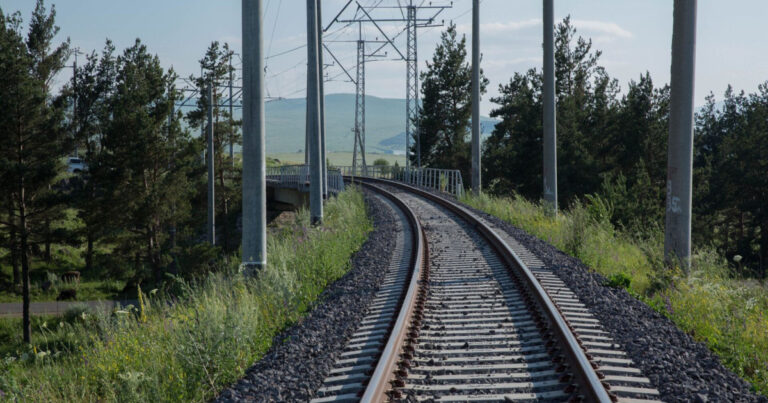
<point>729,314</point>
<point>189,350</point>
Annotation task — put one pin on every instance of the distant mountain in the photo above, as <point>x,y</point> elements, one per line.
<point>397,142</point>
<point>385,124</point>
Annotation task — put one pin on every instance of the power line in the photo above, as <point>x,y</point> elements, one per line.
<point>274,27</point>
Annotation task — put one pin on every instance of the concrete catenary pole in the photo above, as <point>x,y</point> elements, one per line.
<point>677,234</point>
<point>550,121</point>
<point>321,83</point>
<point>313,117</point>
<point>476,183</point>
<point>254,248</point>
<point>74,103</point>
<point>211,178</point>
<point>202,125</point>
<point>231,117</point>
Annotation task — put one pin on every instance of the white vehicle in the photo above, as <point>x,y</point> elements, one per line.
<point>75,165</point>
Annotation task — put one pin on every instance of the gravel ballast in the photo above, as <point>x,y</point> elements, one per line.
<point>294,368</point>
<point>682,369</point>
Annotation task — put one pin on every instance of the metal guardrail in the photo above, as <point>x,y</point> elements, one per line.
<point>442,180</point>
<point>297,177</point>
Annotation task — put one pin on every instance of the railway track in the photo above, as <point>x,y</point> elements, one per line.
<point>467,314</point>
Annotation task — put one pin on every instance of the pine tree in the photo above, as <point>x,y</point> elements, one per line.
<point>143,167</point>
<point>33,136</point>
<point>444,115</point>
<point>585,107</point>
<point>95,86</point>
<point>216,69</point>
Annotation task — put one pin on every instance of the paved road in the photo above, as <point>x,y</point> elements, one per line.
<point>14,309</point>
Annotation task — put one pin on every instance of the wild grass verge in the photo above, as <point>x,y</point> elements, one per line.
<point>729,314</point>
<point>188,346</point>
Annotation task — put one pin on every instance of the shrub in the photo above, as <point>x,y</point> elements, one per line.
<point>619,280</point>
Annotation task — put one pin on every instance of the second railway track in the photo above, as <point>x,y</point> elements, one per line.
<point>461,317</point>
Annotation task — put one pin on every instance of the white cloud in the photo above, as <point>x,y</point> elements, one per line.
<point>603,29</point>
<point>610,29</point>
<point>500,27</point>
<point>506,27</point>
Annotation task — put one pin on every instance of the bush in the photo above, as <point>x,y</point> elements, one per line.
<point>77,313</point>
<point>619,280</point>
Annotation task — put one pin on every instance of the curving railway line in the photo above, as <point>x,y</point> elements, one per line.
<point>468,314</point>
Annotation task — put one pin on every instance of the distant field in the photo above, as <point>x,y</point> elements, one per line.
<point>339,158</point>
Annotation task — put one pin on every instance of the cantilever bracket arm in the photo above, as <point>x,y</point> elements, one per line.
<point>340,65</point>
<point>337,16</point>
<point>380,30</point>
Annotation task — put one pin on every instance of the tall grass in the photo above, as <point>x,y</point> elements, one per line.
<point>206,338</point>
<point>729,314</point>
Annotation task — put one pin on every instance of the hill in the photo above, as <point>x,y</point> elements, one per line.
<point>385,124</point>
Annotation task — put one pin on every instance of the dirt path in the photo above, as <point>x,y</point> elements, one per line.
<point>14,309</point>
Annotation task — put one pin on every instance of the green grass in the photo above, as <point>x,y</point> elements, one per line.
<point>730,315</point>
<point>96,284</point>
<point>188,351</point>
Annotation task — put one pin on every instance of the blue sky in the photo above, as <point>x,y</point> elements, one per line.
<point>634,36</point>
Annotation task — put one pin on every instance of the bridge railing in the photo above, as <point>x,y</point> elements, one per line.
<point>298,176</point>
<point>442,180</point>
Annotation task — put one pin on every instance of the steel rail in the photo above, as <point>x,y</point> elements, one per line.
<point>379,382</point>
<point>585,376</point>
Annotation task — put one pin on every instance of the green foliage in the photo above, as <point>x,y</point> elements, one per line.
<point>616,146</point>
<point>216,66</point>
<point>444,114</point>
<point>32,134</point>
<point>725,313</point>
<point>730,181</point>
<point>189,350</point>
<point>619,280</point>
<point>380,162</point>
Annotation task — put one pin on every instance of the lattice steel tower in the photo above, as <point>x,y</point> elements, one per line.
<point>359,151</point>
<point>411,87</point>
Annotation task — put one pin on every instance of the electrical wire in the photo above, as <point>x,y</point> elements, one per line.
<point>274,27</point>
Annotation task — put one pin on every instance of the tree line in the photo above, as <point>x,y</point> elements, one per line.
<point>138,208</point>
<point>611,143</point>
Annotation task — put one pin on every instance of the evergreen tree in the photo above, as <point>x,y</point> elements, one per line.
<point>586,103</point>
<point>32,135</point>
<point>444,115</point>
<point>92,115</point>
<point>144,165</point>
<point>510,164</point>
<point>216,69</point>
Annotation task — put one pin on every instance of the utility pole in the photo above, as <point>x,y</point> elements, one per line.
<point>74,104</point>
<point>550,122</point>
<point>74,100</point>
<point>202,125</point>
<point>476,183</point>
<point>321,83</point>
<point>254,249</point>
<point>313,116</point>
<point>211,178</point>
<point>677,234</point>
<point>231,117</point>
